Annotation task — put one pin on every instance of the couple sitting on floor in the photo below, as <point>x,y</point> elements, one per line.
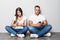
<point>38,25</point>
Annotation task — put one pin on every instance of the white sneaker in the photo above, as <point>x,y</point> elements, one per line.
<point>48,34</point>
<point>33,36</point>
<point>21,35</point>
<point>12,34</point>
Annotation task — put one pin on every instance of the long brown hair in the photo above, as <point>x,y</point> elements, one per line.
<point>18,9</point>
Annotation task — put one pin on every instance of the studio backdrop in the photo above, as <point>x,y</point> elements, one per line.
<point>49,8</point>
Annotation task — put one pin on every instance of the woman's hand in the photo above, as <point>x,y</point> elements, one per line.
<point>15,25</point>
<point>20,24</point>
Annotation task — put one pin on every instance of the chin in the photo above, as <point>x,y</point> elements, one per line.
<point>19,15</point>
<point>37,14</point>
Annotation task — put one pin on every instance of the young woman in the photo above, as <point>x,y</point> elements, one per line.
<point>18,25</point>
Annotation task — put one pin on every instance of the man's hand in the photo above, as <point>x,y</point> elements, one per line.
<point>38,24</point>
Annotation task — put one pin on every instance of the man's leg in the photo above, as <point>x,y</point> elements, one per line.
<point>33,30</point>
<point>45,30</point>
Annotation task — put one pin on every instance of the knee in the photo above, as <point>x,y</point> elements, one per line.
<point>49,26</point>
<point>26,28</point>
<point>7,27</point>
<point>30,28</point>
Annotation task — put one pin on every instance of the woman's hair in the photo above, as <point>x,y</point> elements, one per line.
<point>18,9</point>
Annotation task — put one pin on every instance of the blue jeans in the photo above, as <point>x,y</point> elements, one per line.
<point>16,31</point>
<point>41,31</point>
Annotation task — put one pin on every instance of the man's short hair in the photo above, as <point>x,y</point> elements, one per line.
<point>37,6</point>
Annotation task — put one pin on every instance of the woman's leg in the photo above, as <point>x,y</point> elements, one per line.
<point>23,31</point>
<point>10,30</point>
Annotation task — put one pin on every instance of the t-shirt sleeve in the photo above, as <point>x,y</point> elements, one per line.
<point>14,18</point>
<point>43,18</point>
<point>25,17</point>
<point>30,18</point>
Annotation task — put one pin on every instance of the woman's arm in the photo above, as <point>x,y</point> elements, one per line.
<point>24,24</point>
<point>13,23</point>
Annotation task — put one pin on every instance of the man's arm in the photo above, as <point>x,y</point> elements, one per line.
<point>31,23</point>
<point>44,23</point>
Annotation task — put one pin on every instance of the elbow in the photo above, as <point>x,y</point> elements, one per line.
<point>30,24</point>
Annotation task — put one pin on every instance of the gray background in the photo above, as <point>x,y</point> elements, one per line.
<point>49,8</point>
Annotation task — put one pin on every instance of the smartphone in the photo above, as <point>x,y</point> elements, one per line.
<point>40,22</point>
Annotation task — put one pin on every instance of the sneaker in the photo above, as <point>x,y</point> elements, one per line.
<point>33,36</point>
<point>48,34</point>
<point>12,34</point>
<point>21,35</point>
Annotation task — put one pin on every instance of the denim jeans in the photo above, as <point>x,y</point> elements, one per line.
<point>16,31</point>
<point>41,31</point>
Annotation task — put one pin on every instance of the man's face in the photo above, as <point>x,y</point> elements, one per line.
<point>37,10</point>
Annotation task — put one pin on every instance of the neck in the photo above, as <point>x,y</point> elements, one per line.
<point>19,16</point>
<point>36,14</point>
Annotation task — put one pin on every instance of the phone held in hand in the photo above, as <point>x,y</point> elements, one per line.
<point>39,21</point>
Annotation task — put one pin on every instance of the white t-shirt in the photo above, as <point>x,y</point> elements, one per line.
<point>35,19</point>
<point>19,22</point>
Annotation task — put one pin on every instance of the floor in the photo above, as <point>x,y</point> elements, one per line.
<point>6,36</point>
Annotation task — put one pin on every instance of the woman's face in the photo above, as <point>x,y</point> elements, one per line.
<point>19,13</point>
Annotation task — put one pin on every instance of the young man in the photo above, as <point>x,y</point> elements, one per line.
<point>38,24</point>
